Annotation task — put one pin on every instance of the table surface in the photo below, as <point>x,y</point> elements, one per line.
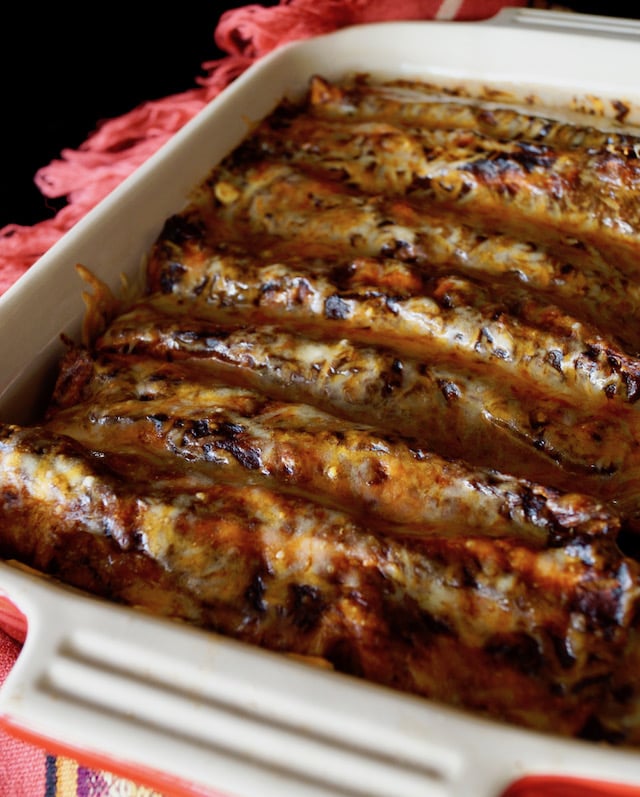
<point>62,79</point>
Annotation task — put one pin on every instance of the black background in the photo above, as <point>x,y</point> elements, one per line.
<point>63,73</point>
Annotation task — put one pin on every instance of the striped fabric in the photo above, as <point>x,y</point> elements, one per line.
<point>66,778</point>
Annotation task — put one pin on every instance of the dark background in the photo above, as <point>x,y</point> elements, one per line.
<point>63,74</point>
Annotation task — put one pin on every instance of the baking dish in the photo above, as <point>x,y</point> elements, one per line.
<point>192,713</point>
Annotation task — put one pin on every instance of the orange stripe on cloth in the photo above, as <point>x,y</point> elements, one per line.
<point>66,778</point>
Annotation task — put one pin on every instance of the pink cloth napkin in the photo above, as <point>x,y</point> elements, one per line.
<point>86,175</point>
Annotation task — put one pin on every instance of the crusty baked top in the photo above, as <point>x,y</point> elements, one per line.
<point>377,406</point>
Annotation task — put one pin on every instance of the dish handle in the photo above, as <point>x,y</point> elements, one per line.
<point>566,22</point>
<point>190,713</point>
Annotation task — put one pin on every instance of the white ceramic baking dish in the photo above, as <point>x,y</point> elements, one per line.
<point>186,711</point>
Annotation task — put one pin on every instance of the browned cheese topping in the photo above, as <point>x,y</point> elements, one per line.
<point>378,406</point>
